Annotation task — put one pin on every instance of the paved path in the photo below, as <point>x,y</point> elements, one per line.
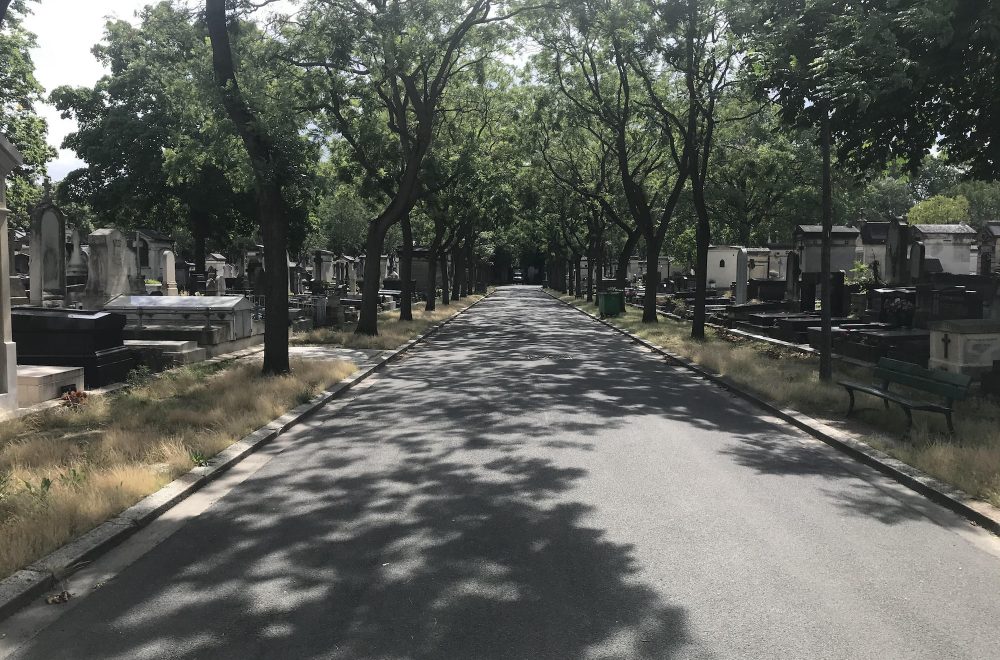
<point>529,484</point>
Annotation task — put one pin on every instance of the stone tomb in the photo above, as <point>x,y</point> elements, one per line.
<point>71,338</point>
<point>220,324</point>
<point>48,253</point>
<point>966,346</point>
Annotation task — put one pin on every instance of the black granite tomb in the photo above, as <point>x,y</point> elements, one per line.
<point>71,338</point>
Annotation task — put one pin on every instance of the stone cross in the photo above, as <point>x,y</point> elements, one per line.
<point>169,284</point>
<point>10,158</point>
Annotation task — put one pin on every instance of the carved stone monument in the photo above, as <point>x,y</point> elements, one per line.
<point>48,252</point>
<point>111,268</point>
<point>9,159</point>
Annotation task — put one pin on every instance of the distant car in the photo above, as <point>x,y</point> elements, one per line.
<point>518,278</point>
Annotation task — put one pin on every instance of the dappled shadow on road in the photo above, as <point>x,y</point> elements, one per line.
<point>438,516</point>
<point>328,554</point>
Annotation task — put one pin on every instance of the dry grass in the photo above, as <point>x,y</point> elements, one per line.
<point>392,333</point>
<point>970,460</point>
<point>63,472</point>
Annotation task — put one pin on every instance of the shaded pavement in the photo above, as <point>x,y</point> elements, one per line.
<point>529,484</point>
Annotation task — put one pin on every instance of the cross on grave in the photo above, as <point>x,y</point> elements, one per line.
<point>946,340</point>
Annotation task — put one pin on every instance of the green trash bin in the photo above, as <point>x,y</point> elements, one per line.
<point>610,303</point>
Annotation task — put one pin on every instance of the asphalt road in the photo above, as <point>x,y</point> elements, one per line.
<point>529,484</point>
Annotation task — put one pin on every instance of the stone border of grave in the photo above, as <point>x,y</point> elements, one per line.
<point>31,582</point>
<point>976,511</point>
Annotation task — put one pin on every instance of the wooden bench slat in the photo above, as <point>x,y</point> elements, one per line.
<point>958,380</point>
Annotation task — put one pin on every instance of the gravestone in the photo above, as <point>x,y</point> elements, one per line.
<point>169,286</point>
<point>220,283</point>
<point>110,269</point>
<point>742,275</point>
<point>76,269</point>
<point>966,346</point>
<point>47,268</point>
<point>9,159</point>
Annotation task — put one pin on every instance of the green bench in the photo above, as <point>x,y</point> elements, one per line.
<point>949,386</point>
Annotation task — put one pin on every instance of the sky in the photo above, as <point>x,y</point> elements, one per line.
<point>67,30</point>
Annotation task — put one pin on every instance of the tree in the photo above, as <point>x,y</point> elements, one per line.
<point>159,152</point>
<point>590,57</point>
<point>275,153</point>
<point>983,198</point>
<point>378,74</point>
<point>19,121</point>
<point>940,210</point>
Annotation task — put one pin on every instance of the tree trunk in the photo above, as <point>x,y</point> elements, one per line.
<point>368,317</point>
<point>826,338</point>
<point>621,271</point>
<point>649,314</point>
<point>272,209</point>
<point>432,272</point>
<point>445,293</point>
<point>276,322</point>
<point>578,276</point>
<point>406,271</point>
<point>456,271</point>
<point>590,275</point>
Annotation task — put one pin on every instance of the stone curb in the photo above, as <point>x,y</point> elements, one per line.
<point>31,582</point>
<point>976,511</point>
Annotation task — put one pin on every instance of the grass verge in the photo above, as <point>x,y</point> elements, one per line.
<point>64,471</point>
<point>970,460</point>
<point>392,333</point>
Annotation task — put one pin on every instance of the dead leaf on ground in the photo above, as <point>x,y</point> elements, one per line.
<point>59,598</point>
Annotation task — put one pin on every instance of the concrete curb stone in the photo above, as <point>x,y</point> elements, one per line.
<point>976,511</point>
<point>31,582</point>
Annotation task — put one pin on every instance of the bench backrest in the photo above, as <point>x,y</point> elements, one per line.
<point>943,383</point>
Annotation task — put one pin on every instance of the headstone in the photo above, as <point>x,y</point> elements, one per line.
<point>9,159</point>
<point>742,275</point>
<point>968,346</point>
<point>76,269</point>
<point>838,295</point>
<point>169,285</point>
<point>110,269</point>
<point>220,283</point>
<point>48,252</point>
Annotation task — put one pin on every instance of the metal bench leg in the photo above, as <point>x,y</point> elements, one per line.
<point>850,409</point>
<point>951,427</point>
<point>909,422</point>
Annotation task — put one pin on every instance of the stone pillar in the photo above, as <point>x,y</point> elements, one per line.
<point>742,275</point>
<point>9,159</point>
<point>169,283</point>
